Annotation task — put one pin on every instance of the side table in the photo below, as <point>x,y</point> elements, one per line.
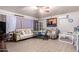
<point>2,44</point>
<point>76,41</point>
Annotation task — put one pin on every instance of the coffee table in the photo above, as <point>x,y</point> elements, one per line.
<point>66,37</point>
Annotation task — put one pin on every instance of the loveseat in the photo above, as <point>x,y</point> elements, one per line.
<point>21,34</point>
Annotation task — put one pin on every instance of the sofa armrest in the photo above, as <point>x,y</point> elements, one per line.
<point>16,36</point>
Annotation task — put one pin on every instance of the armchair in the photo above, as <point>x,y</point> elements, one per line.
<point>53,34</point>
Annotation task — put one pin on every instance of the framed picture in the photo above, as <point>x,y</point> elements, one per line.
<point>52,22</point>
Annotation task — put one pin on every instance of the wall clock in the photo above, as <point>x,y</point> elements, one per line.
<point>70,20</point>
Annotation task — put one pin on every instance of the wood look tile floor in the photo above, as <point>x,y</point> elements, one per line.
<point>39,45</point>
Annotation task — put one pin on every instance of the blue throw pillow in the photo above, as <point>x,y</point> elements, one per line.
<point>39,33</point>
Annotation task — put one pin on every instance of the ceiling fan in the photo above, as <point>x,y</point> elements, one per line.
<point>41,9</point>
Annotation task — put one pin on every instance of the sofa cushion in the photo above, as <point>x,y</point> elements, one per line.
<point>23,33</point>
<point>26,36</point>
<point>28,31</point>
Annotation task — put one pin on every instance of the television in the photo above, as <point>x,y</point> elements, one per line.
<point>2,27</point>
<point>52,22</point>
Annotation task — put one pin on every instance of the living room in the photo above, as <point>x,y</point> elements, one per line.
<point>40,28</point>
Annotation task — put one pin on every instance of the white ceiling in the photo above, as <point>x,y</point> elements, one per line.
<point>55,10</point>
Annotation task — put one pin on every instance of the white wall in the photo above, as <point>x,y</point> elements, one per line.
<point>69,26</point>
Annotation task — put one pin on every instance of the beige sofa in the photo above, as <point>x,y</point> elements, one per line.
<point>21,34</point>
